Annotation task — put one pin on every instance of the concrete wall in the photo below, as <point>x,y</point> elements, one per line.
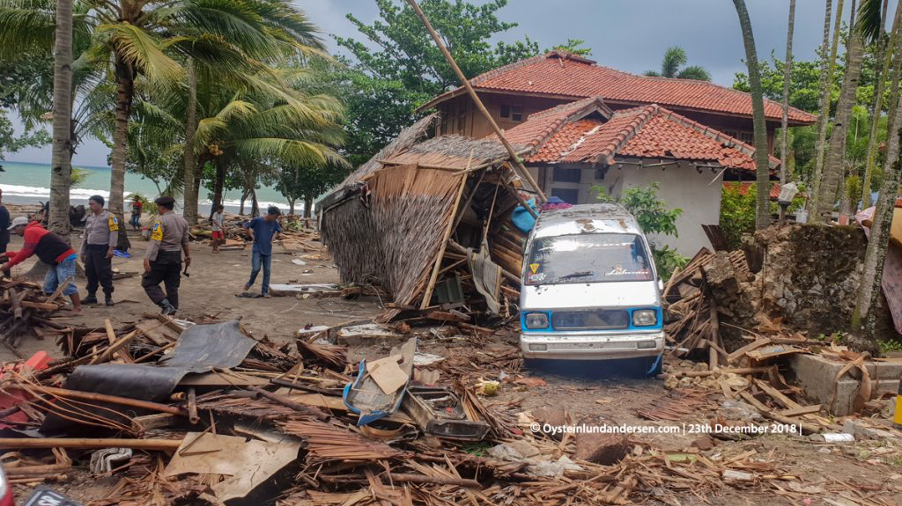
<point>680,186</point>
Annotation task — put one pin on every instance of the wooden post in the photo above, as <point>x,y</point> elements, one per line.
<point>463,79</point>
<point>427,294</point>
<point>18,443</point>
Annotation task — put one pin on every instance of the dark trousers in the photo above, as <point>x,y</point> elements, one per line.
<point>98,269</point>
<point>166,269</point>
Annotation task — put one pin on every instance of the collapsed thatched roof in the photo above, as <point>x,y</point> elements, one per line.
<point>451,152</point>
<point>408,137</point>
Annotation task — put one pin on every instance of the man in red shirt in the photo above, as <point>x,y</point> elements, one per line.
<point>50,249</point>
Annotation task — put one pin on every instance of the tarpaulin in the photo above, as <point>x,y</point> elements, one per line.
<point>201,348</point>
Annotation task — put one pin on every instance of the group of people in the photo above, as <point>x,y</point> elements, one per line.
<point>168,251</point>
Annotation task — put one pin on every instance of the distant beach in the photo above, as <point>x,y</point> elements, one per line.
<point>29,183</point>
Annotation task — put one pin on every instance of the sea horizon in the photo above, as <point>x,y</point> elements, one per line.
<point>29,183</point>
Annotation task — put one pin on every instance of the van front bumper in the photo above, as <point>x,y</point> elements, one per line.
<point>591,347</point>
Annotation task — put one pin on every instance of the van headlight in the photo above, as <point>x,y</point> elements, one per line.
<point>536,321</point>
<point>645,317</point>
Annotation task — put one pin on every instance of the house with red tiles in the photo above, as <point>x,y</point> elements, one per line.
<point>577,149</point>
<point>514,92</point>
<point>586,126</point>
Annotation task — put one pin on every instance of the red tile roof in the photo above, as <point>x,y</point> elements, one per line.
<point>563,74</point>
<point>744,186</point>
<point>583,132</point>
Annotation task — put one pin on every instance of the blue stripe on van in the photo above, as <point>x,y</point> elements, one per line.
<point>550,329</point>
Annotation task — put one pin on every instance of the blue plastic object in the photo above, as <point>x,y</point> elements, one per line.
<point>370,416</point>
<point>522,219</point>
<point>121,254</point>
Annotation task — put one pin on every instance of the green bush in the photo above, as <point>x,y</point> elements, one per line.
<point>654,218</point>
<point>737,211</point>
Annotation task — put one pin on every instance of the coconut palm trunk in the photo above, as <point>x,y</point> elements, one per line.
<point>878,242</point>
<point>125,82</point>
<point>60,174</point>
<point>218,184</point>
<point>762,170</point>
<point>308,206</point>
<point>787,76</point>
<point>824,98</point>
<point>834,165</point>
<point>885,54</point>
<point>189,204</point>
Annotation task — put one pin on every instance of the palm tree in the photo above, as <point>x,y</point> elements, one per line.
<point>878,243</point>
<point>762,205</point>
<point>833,171</point>
<point>61,165</point>
<point>787,74</point>
<point>826,95</point>
<point>189,204</point>
<point>884,53</point>
<point>674,58</point>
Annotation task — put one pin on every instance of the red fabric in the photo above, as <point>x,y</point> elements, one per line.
<point>34,232</point>
<point>216,234</point>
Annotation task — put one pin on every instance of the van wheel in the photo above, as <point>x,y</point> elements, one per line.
<point>654,366</point>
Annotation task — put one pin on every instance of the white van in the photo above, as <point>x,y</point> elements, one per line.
<point>589,289</point>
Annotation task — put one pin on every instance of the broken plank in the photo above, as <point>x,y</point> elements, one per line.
<point>732,357</point>
<point>804,410</point>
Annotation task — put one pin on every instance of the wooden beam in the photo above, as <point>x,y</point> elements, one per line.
<point>479,105</point>
<point>446,236</point>
<point>18,443</point>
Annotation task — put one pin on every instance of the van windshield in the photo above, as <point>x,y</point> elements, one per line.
<point>588,258</point>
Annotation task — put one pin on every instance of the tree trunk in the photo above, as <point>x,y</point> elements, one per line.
<point>824,99</point>
<point>885,53</point>
<point>308,206</point>
<point>255,206</point>
<point>218,184</point>
<point>60,175</point>
<point>189,204</point>
<point>833,169</point>
<point>244,195</point>
<point>291,206</point>
<point>878,242</point>
<point>126,89</point>
<point>762,203</point>
<point>787,75</point>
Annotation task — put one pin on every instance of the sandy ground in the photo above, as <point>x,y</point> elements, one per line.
<point>210,290</point>
<point>588,390</point>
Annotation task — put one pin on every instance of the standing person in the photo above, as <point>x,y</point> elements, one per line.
<point>163,261</point>
<point>50,249</point>
<point>263,231</point>
<point>4,225</point>
<point>218,234</point>
<point>101,236</point>
<point>136,213</point>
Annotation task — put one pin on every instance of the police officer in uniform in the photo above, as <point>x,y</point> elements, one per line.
<point>163,261</point>
<point>101,236</point>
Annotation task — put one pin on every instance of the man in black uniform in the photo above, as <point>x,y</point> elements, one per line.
<point>163,262</point>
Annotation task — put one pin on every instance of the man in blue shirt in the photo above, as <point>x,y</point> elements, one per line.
<point>263,230</point>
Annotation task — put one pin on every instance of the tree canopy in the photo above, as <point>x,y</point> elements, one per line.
<point>675,58</point>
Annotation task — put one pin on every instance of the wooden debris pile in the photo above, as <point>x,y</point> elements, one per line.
<point>25,310</point>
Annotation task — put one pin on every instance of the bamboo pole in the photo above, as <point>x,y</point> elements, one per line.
<point>466,83</point>
<point>17,443</point>
<point>122,401</point>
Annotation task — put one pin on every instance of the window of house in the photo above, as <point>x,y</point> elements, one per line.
<point>744,136</point>
<point>567,175</point>
<point>568,195</point>
<point>505,111</point>
<point>516,113</point>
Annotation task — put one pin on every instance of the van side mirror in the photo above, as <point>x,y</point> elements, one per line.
<point>660,285</point>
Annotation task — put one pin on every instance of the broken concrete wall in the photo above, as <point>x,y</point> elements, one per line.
<point>809,278</point>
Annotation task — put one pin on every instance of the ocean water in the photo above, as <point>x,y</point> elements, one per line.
<point>29,183</point>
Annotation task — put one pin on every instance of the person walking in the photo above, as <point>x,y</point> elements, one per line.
<point>263,231</point>
<point>50,249</point>
<point>163,261</point>
<point>4,225</point>
<point>136,213</point>
<point>101,236</point>
<point>218,234</point>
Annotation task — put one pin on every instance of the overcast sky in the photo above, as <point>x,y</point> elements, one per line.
<point>629,35</point>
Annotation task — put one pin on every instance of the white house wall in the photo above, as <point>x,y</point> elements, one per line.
<point>682,186</point>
